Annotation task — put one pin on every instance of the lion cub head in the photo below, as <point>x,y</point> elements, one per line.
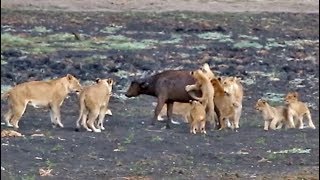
<point>107,82</point>
<point>261,104</point>
<point>291,97</point>
<point>73,84</point>
<point>207,71</point>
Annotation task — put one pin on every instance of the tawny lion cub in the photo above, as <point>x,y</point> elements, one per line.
<point>207,71</point>
<point>225,104</point>
<point>297,109</point>
<point>203,83</point>
<point>233,86</point>
<point>94,102</point>
<point>197,118</point>
<point>274,117</point>
<point>49,94</point>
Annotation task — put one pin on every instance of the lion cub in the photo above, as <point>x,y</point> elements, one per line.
<point>233,86</point>
<point>49,94</point>
<point>197,118</point>
<point>94,102</point>
<point>225,103</point>
<point>203,83</point>
<point>274,117</point>
<point>10,133</point>
<point>297,109</point>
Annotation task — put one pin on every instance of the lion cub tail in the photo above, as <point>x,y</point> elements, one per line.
<point>78,124</point>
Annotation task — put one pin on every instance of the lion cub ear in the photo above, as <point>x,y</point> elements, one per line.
<point>109,81</point>
<point>69,77</point>
<point>98,80</point>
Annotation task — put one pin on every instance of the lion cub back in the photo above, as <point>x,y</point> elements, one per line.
<point>97,94</point>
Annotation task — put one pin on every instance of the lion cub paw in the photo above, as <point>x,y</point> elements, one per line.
<point>9,125</point>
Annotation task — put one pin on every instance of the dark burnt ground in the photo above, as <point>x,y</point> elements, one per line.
<point>272,52</point>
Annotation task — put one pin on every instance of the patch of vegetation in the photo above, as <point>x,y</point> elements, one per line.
<point>57,147</point>
<point>220,37</point>
<point>129,139</point>
<point>274,98</point>
<point>273,157</point>
<point>41,29</point>
<point>247,44</point>
<point>9,40</point>
<point>111,29</point>
<point>50,164</point>
<point>156,139</point>
<point>5,88</point>
<point>261,141</point>
<point>248,37</point>
<point>175,38</point>
<point>29,177</point>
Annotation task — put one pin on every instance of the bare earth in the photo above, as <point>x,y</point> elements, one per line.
<point>273,51</point>
<point>305,6</point>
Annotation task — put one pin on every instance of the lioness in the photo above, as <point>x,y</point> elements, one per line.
<point>203,83</point>
<point>233,86</point>
<point>197,117</point>
<point>94,102</point>
<point>297,109</point>
<point>39,94</point>
<point>274,117</point>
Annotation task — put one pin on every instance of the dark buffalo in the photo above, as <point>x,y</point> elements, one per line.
<point>167,86</point>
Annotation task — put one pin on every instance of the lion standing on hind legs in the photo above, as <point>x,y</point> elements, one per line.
<point>203,83</point>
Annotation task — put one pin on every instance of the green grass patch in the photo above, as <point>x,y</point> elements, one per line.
<point>220,37</point>
<point>247,44</point>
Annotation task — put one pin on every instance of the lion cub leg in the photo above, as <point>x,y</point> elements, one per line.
<point>55,114</point>
<point>18,111</point>
<point>84,120</point>
<point>102,114</point>
<point>300,118</point>
<point>203,126</point>
<point>193,127</point>
<point>8,117</point>
<point>311,125</point>
<point>274,123</point>
<point>93,115</point>
<point>266,125</point>
<point>290,119</point>
<point>238,115</point>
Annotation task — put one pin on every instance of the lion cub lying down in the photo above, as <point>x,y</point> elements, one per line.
<point>274,117</point>
<point>10,133</point>
<point>297,109</point>
<point>49,94</point>
<point>197,118</point>
<point>94,102</point>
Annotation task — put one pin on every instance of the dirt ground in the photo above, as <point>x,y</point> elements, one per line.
<point>272,52</point>
<point>307,6</point>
